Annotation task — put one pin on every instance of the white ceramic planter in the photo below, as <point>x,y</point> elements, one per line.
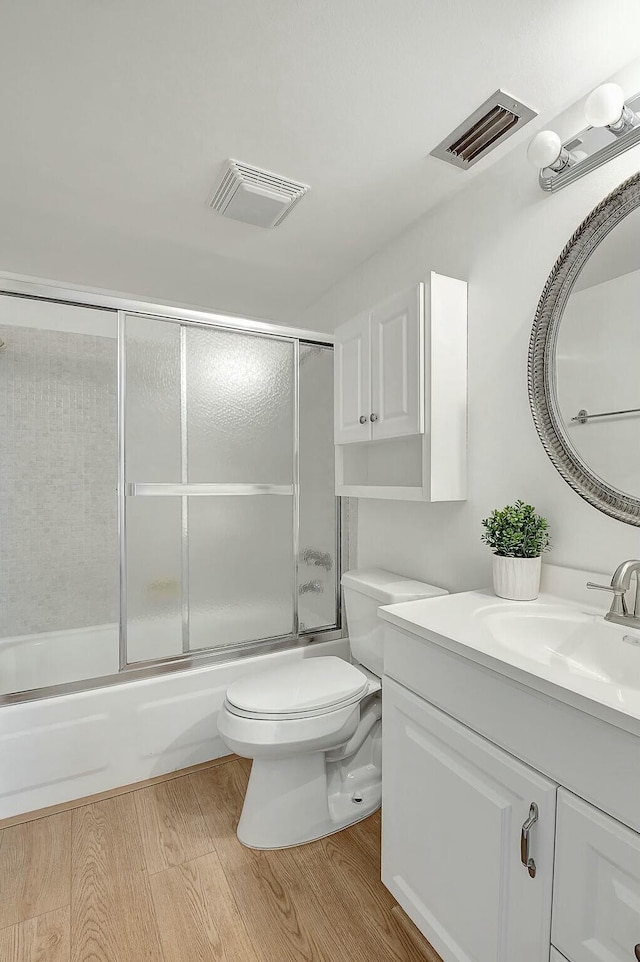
<point>517,579</point>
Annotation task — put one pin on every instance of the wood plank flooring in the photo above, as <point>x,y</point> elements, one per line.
<point>158,875</point>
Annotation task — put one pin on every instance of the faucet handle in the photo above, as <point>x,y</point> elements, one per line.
<point>619,604</point>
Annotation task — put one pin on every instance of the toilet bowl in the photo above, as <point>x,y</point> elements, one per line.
<point>313,727</point>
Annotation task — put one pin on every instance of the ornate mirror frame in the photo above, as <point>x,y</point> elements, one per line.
<point>542,345</point>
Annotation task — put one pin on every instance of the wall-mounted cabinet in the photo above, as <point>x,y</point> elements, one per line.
<point>401,396</point>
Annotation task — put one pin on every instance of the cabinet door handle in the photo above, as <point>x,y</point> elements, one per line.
<point>373,417</point>
<point>363,419</point>
<point>636,951</point>
<point>525,838</point>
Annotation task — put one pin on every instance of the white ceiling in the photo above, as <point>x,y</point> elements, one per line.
<point>118,114</point>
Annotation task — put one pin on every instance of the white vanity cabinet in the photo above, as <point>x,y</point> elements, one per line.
<point>596,898</point>
<point>453,808</point>
<point>400,372</point>
<point>467,749</point>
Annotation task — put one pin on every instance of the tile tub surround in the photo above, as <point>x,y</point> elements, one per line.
<point>58,474</point>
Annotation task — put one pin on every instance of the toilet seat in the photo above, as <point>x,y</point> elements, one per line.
<point>307,688</point>
<point>291,715</point>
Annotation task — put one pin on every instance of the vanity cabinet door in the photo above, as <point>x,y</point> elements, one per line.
<point>453,810</point>
<point>352,381</point>
<point>596,897</point>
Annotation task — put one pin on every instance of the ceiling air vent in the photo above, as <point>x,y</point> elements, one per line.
<point>255,196</point>
<point>495,120</point>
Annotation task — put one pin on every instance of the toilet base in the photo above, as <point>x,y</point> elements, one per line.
<point>290,801</point>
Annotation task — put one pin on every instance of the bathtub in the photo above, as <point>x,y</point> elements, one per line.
<point>57,657</point>
<point>77,654</point>
<point>58,749</point>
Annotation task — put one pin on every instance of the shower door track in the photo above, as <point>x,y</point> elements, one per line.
<point>20,285</point>
<point>201,658</point>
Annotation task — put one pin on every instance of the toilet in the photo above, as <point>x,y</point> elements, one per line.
<point>313,727</point>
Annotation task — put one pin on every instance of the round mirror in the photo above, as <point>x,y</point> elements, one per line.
<point>584,358</point>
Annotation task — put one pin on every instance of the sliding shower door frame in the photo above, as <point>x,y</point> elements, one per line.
<point>34,288</point>
<point>185,489</point>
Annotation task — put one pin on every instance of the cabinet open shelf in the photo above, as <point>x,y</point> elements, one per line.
<point>381,469</point>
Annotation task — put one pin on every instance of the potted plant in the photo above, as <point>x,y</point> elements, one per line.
<point>518,537</point>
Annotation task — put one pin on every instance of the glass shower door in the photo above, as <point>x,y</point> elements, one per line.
<point>210,470</point>
<point>318,562</point>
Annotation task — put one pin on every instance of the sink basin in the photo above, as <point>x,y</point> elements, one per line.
<point>567,639</point>
<point>550,641</point>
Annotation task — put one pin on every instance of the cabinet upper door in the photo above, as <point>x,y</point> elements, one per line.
<point>596,894</point>
<point>397,362</point>
<point>453,811</point>
<point>352,381</point>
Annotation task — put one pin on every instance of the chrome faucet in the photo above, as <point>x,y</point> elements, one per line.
<point>620,584</point>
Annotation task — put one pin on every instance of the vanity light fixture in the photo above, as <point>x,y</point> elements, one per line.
<point>547,152</point>
<point>605,107</point>
<point>614,128</point>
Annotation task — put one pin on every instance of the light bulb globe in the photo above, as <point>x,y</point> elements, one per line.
<point>544,149</point>
<point>604,105</point>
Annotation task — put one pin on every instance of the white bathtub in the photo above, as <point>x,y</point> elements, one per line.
<point>57,657</point>
<point>57,749</point>
<point>78,654</point>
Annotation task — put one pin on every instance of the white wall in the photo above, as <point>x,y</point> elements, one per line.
<point>503,235</point>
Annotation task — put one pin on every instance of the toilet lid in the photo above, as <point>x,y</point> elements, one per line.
<point>305,685</point>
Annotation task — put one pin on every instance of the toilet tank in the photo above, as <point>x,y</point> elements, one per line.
<point>364,591</point>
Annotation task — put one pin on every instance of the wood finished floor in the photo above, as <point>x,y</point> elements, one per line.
<point>158,875</point>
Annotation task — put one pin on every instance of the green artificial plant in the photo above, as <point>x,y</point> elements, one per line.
<point>516,531</point>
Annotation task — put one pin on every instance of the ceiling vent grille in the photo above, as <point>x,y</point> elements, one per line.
<point>495,120</point>
<point>255,196</point>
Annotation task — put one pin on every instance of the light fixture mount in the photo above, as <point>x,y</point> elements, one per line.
<point>615,129</point>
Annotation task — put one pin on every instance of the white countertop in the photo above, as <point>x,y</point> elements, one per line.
<point>562,647</point>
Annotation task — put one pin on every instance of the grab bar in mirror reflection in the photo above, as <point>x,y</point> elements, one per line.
<point>583,415</point>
